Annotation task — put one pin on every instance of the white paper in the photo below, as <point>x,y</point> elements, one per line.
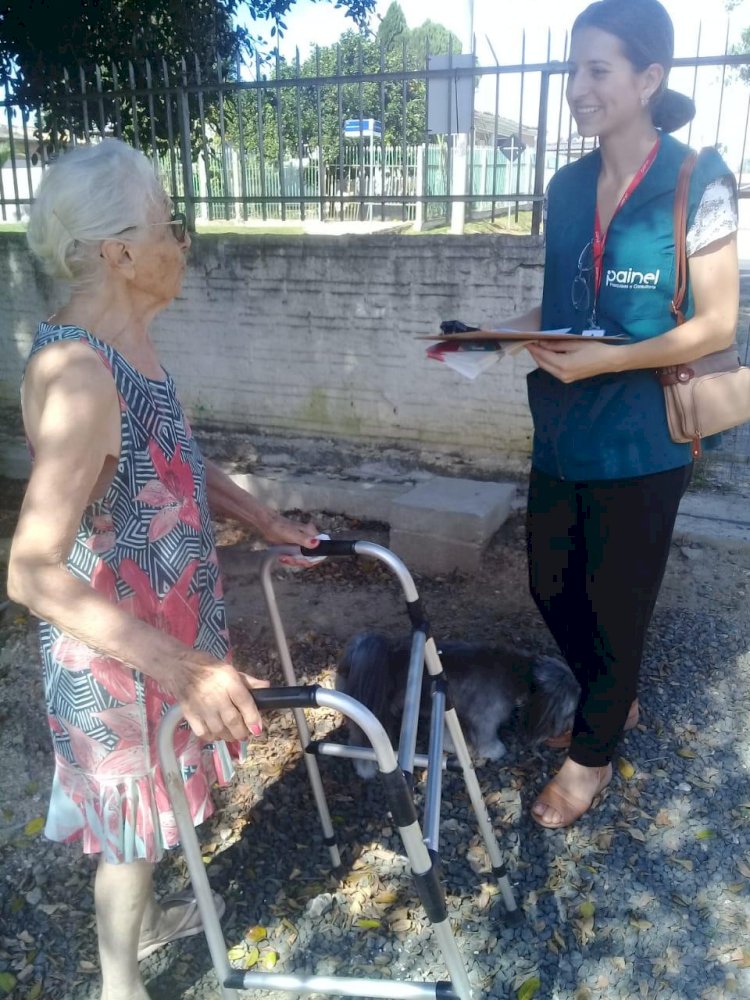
<point>470,363</point>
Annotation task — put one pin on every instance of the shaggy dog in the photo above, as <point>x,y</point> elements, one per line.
<point>485,684</point>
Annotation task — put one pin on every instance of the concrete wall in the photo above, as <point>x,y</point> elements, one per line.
<point>316,336</point>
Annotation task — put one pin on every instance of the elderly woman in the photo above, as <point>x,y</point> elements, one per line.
<point>114,549</point>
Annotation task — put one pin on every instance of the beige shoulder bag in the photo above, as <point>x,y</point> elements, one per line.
<point>711,394</point>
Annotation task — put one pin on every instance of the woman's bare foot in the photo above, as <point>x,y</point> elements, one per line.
<point>570,794</point>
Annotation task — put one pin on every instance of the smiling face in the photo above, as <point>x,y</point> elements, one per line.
<point>606,94</point>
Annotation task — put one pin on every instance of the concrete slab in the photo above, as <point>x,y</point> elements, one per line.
<point>462,510</point>
<point>371,501</point>
<point>710,519</point>
<point>424,553</point>
<point>438,526</point>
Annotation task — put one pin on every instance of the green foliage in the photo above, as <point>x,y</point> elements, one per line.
<point>312,115</point>
<point>392,28</point>
<point>744,46</point>
<point>39,39</point>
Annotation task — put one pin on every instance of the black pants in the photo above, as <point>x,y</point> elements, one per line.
<point>597,554</point>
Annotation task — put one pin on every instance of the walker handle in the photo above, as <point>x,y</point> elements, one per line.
<point>268,699</point>
<point>331,547</point>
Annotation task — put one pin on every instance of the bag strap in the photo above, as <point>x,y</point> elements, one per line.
<point>680,235</point>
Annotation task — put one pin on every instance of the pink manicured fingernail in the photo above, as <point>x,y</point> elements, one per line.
<point>256,729</point>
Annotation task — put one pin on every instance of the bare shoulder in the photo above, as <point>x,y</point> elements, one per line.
<point>66,360</point>
<point>67,386</point>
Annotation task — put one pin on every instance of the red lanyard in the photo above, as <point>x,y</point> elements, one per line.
<point>600,239</point>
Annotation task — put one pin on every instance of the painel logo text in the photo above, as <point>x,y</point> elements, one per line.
<point>632,279</point>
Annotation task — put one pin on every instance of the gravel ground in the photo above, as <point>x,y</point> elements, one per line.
<point>648,896</point>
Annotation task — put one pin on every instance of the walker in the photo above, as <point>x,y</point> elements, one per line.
<point>396,772</point>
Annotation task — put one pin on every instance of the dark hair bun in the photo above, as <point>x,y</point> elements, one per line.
<point>671,110</point>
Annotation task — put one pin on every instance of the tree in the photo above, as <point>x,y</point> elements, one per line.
<point>40,40</point>
<point>399,106</point>
<point>392,28</point>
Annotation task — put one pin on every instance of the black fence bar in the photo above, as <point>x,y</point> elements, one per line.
<point>541,156</point>
<point>223,143</point>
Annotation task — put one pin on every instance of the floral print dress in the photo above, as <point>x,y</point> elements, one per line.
<point>148,546</point>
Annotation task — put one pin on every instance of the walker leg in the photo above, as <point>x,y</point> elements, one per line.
<point>499,868</point>
<point>192,852</point>
<point>303,730</point>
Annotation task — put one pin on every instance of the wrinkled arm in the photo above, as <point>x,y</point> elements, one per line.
<point>72,420</point>
<point>227,499</point>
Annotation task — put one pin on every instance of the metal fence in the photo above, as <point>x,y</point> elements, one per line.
<point>276,142</point>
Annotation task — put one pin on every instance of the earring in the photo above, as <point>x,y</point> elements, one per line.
<point>644,102</point>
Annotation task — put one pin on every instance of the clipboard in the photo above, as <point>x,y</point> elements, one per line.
<point>523,335</point>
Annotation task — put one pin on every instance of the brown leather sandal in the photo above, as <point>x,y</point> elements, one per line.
<point>562,742</point>
<point>568,807</point>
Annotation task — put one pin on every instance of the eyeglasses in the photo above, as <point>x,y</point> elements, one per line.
<point>580,292</point>
<point>177,221</point>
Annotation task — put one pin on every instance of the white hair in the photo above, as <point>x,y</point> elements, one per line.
<point>90,194</point>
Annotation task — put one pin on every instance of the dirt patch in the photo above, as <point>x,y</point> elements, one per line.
<point>695,694</point>
<point>320,610</point>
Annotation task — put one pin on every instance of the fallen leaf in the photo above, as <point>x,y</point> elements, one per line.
<point>687,753</point>
<point>744,869</point>
<point>637,834</point>
<point>251,958</point>
<point>269,959</point>
<point>34,826</point>
<point>625,768</point>
<point>35,992</point>
<point>7,982</point>
<point>401,926</point>
<point>640,924</point>
<point>737,887</point>
<point>685,863</point>
<point>237,953</point>
<point>587,910</point>
<point>641,901</point>
<point>704,835</point>
<point>256,934</point>
<point>367,924</point>
<point>528,989</point>
<point>584,930</point>
<point>386,897</point>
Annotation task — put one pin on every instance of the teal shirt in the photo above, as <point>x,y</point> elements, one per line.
<point>613,426</point>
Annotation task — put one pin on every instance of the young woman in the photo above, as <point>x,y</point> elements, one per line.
<point>114,550</point>
<point>606,478</point>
